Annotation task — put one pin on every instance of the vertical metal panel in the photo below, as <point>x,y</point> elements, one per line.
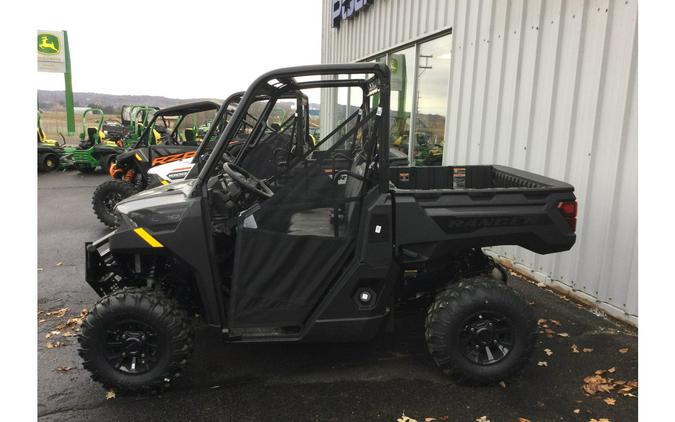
<point>545,85</point>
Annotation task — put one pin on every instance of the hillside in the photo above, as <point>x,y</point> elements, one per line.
<point>54,100</point>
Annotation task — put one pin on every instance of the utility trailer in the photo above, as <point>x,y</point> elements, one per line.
<point>302,249</point>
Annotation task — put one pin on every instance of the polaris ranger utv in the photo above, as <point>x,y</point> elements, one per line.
<point>310,252</point>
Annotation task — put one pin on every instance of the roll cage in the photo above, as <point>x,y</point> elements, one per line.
<point>180,111</point>
<point>276,83</point>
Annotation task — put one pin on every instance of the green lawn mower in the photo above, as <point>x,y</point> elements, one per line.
<point>94,149</point>
<point>49,150</point>
<point>135,118</point>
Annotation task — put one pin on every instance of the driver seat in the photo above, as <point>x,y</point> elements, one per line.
<point>321,221</point>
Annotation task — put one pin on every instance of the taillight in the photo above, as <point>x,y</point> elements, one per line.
<point>569,210</point>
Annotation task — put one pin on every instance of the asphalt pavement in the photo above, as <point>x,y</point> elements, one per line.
<point>376,381</point>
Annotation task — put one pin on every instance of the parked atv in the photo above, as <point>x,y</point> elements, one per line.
<point>301,249</point>
<point>49,151</point>
<point>94,150</point>
<point>130,171</point>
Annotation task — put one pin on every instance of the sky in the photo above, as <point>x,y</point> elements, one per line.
<point>194,49</point>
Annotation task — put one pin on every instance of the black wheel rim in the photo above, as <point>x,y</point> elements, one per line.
<point>110,200</point>
<point>132,347</point>
<point>486,337</point>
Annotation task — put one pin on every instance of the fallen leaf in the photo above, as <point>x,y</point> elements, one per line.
<point>540,284</point>
<point>611,370</point>
<point>542,363</point>
<point>58,264</point>
<point>59,313</point>
<point>541,321</point>
<point>482,419</point>
<point>587,350</point>
<point>556,322</point>
<point>63,369</point>
<point>41,321</point>
<point>54,345</point>
<point>68,334</point>
<point>600,371</point>
<point>110,394</point>
<point>523,420</point>
<point>575,349</point>
<point>623,350</point>
<point>502,384</point>
<point>548,352</point>
<point>563,334</point>
<point>577,411</point>
<point>599,420</point>
<point>430,419</point>
<point>610,401</point>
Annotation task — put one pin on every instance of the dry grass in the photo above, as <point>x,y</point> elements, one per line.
<point>54,122</point>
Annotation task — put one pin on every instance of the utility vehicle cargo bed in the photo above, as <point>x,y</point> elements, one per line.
<point>474,206</point>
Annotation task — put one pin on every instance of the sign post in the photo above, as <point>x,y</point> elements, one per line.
<point>54,56</point>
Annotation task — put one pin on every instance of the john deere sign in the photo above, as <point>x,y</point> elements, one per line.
<point>51,57</point>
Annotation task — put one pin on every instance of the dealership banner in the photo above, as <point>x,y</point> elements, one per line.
<point>51,52</point>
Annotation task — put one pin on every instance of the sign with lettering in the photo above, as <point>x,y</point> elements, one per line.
<point>51,57</point>
<point>346,9</point>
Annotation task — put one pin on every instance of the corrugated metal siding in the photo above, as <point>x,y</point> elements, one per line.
<point>545,85</point>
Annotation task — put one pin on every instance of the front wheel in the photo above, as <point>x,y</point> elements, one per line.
<point>135,340</point>
<point>106,196</point>
<point>480,331</point>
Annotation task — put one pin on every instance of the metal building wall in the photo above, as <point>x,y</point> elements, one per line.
<point>545,85</point>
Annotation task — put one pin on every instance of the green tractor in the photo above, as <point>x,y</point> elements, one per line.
<point>49,150</point>
<point>94,149</point>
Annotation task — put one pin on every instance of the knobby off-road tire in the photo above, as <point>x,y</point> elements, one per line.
<point>106,196</point>
<point>474,314</point>
<point>136,340</point>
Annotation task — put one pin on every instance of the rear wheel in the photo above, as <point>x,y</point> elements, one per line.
<point>480,331</point>
<point>49,162</point>
<point>105,198</point>
<point>135,339</point>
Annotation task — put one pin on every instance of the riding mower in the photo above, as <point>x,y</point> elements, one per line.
<point>155,146</point>
<point>49,150</point>
<point>94,149</point>
<point>134,121</point>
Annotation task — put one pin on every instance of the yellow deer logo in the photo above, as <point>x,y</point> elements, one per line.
<point>48,44</point>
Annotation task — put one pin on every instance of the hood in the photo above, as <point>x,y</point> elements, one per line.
<point>171,195</point>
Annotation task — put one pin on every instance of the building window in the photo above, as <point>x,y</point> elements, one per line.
<point>402,66</point>
<point>433,73</point>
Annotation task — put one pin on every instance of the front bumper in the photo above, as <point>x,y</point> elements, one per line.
<point>98,263</point>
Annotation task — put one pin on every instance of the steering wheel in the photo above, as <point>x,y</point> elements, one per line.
<point>247,180</point>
